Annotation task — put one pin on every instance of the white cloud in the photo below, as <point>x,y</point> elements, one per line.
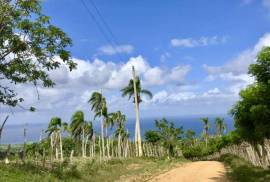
<point>111,50</point>
<point>73,89</point>
<point>235,70</point>
<point>239,65</point>
<point>203,41</point>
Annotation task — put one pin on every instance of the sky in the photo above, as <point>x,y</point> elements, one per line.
<point>192,55</point>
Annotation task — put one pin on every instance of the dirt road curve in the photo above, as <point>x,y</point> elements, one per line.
<point>202,171</point>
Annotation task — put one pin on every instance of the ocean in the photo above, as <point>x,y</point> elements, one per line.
<point>13,134</point>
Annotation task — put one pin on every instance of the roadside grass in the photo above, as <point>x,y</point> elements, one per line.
<point>243,171</point>
<point>133,169</point>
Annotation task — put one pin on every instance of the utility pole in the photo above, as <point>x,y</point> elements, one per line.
<point>138,141</point>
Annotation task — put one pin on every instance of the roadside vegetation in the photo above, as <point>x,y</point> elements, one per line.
<point>243,171</point>
<point>132,169</point>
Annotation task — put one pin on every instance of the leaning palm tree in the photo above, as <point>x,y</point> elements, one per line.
<point>206,129</point>
<point>134,89</point>
<point>220,126</point>
<point>55,128</point>
<point>99,107</point>
<point>77,128</point>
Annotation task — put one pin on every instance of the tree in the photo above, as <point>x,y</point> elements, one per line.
<point>119,119</point>
<point>81,130</point>
<point>252,112</point>
<point>134,89</point>
<point>169,135</point>
<point>190,135</point>
<point>152,136</point>
<point>55,128</point>
<point>206,127</point>
<point>99,107</point>
<point>29,44</point>
<point>220,126</point>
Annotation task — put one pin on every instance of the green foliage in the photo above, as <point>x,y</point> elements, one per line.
<point>55,125</point>
<point>78,125</point>
<point>198,149</point>
<point>252,112</point>
<point>243,171</point>
<point>98,105</point>
<point>129,90</point>
<point>167,134</point>
<point>220,126</point>
<point>152,136</point>
<point>29,44</point>
<point>120,120</point>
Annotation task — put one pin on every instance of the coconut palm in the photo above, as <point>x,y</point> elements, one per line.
<point>79,129</point>
<point>119,119</point>
<point>220,126</point>
<point>134,89</point>
<point>76,125</point>
<point>55,128</point>
<point>128,91</point>
<point>205,128</point>
<point>99,107</point>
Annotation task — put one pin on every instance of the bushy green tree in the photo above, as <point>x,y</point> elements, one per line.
<point>29,44</point>
<point>152,136</point>
<point>252,112</point>
<point>166,134</point>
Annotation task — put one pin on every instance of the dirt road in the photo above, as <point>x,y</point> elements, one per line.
<point>202,171</point>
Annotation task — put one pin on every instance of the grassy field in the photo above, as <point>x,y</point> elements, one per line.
<point>139,169</point>
<point>242,171</point>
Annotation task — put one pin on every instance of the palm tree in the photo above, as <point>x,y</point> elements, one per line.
<point>55,128</point>
<point>206,128</point>
<point>220,126</point>
<point>99,107</point>
<point>134,89</point>
<point>119,119</point>
<point>79,129</point>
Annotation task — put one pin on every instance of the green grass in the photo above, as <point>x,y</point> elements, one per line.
<point>242,171</point>
<point>135,169</point>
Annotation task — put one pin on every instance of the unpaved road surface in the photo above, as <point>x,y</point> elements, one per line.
<point>202,171</point>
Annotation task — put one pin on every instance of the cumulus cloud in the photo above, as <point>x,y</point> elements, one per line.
<point>73,89</point>
<point>202,41</point>
<point>111,50</point>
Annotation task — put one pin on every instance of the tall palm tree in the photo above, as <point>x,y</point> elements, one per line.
<point>206,129</point>
<point>99,107</point>
<point>220,126</point>
<point>55,129</point>
<point>134,89</point>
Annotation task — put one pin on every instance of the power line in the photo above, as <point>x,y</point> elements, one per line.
<point>109,39</point>
<point>104,22</point>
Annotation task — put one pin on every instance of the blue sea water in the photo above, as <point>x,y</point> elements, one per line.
<point>13,134</point>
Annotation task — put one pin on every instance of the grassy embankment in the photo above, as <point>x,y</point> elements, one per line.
<point>137,169</point>
<point>242,171</point>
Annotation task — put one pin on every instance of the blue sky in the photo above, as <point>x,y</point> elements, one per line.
<point>193,55</point>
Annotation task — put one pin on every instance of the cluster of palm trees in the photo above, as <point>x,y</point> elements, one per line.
<point>82,131</point>
<point>219,124</point>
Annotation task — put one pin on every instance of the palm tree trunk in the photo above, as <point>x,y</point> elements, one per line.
<point>61,146</point>
<point>119,145</point>
<point>137,127</point>
<point>102,140</point>
<point>83,155</point>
